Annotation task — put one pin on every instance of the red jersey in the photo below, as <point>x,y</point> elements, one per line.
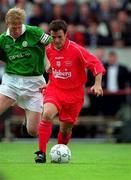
<point>69,65</point>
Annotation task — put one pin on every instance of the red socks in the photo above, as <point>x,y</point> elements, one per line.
<point>63,139</point>
<point>45,130</point>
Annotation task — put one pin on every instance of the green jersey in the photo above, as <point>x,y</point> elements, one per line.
<point>25,55</point>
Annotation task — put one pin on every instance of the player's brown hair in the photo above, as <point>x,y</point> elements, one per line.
<point>57,25</point>
<point>15,16</point>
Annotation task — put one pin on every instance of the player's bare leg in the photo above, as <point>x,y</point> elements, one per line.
<point>65,132</point>
<point>45,130</point>
<point>33,120</point>
<point>5,103</point>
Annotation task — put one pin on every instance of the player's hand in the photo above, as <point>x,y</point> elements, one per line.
<point>42,88</point>
<point>97,90</point>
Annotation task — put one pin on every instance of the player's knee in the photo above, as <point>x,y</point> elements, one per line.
<point>47,115</point>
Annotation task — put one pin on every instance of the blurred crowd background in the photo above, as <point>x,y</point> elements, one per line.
<point>90,22</point>
<point>104,28</point>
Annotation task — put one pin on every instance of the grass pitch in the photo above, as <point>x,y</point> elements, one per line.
<point>89,162</point>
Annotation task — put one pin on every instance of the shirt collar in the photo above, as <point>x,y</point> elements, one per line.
<point>23,30</point>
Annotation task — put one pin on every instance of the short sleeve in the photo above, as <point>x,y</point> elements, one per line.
<point>41,36</point>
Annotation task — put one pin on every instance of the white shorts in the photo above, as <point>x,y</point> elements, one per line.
<point>24,90</point>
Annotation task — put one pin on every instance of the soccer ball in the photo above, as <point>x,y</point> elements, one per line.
<point>60,153</point>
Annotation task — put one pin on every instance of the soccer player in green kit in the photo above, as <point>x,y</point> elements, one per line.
<point>24,55</point>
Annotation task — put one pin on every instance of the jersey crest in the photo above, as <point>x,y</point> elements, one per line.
<point>24,43</point>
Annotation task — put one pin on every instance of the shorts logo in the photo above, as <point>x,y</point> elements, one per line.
<point>25,44</point>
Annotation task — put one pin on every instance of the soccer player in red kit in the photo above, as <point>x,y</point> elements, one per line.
<point>64,93</point>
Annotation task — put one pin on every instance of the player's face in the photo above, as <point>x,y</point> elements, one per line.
<point>15,30</point>
<point>59,38</point>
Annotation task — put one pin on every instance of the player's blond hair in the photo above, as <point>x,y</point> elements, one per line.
<point>15,15</point>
